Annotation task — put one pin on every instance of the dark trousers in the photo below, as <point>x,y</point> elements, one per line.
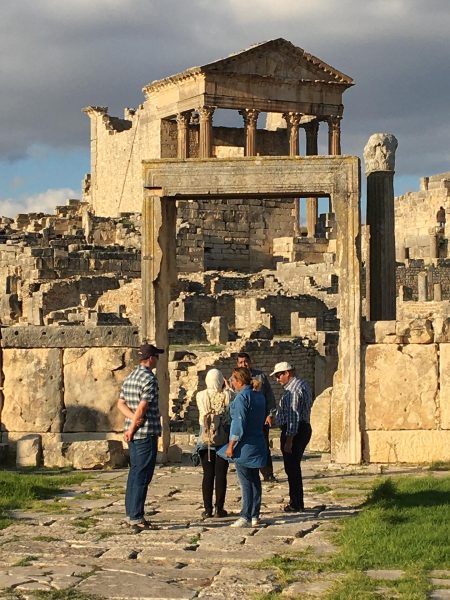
<point>267,471</point>
<point>142,465</point>
<point>292,464</point>
<point>214,475</point>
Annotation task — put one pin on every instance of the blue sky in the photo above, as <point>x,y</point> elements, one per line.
<point>57,57</point>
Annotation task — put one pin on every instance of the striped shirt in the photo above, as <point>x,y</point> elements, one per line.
<point>141,384</point>
<point>295,405</point>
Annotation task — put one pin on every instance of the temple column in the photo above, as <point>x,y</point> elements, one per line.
<point>159,274</point>
<point>312,204</point>
<point>379,157</point>
<point>293,123</point>
<point>334,136</point>
<point>205,114</point>
<point>250,116</point>
<point>183,134</point>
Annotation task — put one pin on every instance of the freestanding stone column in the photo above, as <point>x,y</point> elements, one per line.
<point>293,123</point>
<point>250,116</point>
<point>311,130</point>
<point>158,275</point>
<point>379,157</point>
<point>205,114</point>
<point>422,287</point>
<point>183,134</point>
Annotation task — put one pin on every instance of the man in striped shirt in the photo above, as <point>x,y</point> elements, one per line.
<point>139,403</point>
<point>293,416</point>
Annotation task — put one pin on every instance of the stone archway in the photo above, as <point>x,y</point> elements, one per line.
<point>267,177</point>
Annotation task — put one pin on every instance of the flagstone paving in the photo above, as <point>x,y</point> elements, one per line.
<point>91,550</point>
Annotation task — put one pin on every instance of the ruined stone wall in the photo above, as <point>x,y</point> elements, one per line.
<point>230,234</point>
<point>63,383</point>
<point>438,272</point>
<point>415,215</point>
<point>406,414</point>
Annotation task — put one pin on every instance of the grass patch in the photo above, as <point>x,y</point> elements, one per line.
<point>413,586</point>
<point>27,561</point>
<point>26,490</point>
<point>320,489</point>
<point>85,523</point>
<point>403,523</point>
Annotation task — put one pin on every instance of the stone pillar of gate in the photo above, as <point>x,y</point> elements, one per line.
<point>311,129</point>
<point>205,114</point>
<point>379,157</point>
<point>334,136</point>
<point>159,274</point>
<point>250,116</point>
<point>183,134</point>
<point>293,123</point>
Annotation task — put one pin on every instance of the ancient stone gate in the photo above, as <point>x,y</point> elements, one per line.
<point>260,177</point>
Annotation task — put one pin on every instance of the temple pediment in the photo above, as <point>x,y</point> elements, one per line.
<point>278,59</point>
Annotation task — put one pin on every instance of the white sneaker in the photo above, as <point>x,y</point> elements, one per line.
<point>256,521</point>
<point>241,522</point>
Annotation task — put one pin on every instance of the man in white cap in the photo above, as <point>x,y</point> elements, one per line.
<point>293,416</point>
<point>139,404</point>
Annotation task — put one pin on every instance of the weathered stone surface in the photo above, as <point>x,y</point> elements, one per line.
<point>33,392</point>
<point>69,337</point>
<point>417,331</point>
<point>406,446</point>
<point>92,379</point>
<point>29,451</point>
<point>96,454</point>
<point>444,371</point>
<point>401,387</point>
<point>320,422</point>
<point>379,153</point>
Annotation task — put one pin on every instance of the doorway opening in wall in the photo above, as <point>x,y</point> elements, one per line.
<point>324,211</point>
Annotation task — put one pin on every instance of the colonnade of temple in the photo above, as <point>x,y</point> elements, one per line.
<point>294,121</point>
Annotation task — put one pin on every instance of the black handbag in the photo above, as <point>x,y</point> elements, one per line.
<point>195,456</point>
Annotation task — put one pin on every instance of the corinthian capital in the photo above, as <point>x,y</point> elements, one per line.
<point>206,112</point>
<point>250,116</point>
<point>292,118</point>
<point>379,153</point>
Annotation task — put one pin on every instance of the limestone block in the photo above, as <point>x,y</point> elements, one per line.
<point>416,331</point>
<point>98,454</point>
<point>174,453</point>
<point>320,422</point>
<point>217,331</point>
<point>92,380</point>
<point>401,387</point>
<point>406,446</point>
<point>444,370</point>
<point>32,390</point>
<point>29,451</point>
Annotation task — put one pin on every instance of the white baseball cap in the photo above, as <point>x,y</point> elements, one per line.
<point>280,367</point>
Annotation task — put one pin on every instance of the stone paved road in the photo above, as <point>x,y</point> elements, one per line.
<point>91,550</point>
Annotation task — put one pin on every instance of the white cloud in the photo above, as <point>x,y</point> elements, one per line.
<point>44,202</point>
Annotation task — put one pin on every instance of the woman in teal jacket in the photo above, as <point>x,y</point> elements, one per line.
<point>247,446</point>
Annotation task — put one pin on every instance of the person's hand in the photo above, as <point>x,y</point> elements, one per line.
<point>288,446</point>
<point>268,421</point>
<point>229,452</point>
<point>128,436</point>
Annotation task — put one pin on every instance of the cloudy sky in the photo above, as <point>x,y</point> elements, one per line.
<point>57,56</point>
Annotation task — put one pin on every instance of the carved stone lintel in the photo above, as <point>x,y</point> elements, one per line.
<point>379,153</point>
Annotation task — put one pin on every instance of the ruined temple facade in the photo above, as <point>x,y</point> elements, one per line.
<point>295,93</point>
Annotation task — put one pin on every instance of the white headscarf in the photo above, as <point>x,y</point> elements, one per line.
<point>214,380</point>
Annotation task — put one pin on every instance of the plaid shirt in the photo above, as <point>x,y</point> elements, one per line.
<point>141,385</point>
<point>295,405</point>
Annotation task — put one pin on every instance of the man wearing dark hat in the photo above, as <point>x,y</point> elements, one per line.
<point>139,403</point>
<point>293,416</point>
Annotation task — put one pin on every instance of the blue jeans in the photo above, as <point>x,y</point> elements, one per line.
<point>251,491</point>
<point>142,465</point>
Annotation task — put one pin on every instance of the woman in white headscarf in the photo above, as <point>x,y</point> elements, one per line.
<point>215,400</point>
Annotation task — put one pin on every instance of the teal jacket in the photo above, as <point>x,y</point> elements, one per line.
<point>248,413</point>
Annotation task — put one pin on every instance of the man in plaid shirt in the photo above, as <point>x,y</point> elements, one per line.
<point>139,403</point>
<point>293,416</point>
